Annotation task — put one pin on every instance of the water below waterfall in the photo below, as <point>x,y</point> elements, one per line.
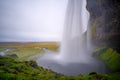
<point>75,56</point>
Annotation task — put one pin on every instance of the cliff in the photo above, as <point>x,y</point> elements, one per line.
<point>105,22</point>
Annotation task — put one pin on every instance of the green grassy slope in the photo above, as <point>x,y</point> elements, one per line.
<point>12,69</point>
<point>110,57</point>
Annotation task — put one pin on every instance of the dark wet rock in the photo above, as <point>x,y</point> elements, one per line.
<point>105,22</point>
<point>92,73</point>
<point>32,63</point>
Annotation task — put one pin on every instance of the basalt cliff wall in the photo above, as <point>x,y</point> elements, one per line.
<point>105,22</point>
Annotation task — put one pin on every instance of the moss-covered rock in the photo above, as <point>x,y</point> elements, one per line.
<point>110,57</point>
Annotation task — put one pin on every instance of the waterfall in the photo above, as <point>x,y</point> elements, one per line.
<point>75,52</point>
<point>74,43</point>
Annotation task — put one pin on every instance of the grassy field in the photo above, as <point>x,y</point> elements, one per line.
<point>27,51</point>
<point>12,69</point>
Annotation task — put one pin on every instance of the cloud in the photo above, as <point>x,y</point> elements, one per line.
<point>32,20</point>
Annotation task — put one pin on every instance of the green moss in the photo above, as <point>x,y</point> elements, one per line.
<point>12,69</point>
<point>24,68</point>
<point>93,29</point>
<point>110,57</point>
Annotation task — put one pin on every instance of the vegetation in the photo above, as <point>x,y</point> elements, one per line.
<point>18,70</point>
<point>27,51</point>
<point>48,45</point>
<point>110,57</point>
<point>12,69</point>
<point>93,29</point>
<point>19,63</point>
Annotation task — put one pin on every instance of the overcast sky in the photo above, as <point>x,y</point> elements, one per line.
<point>32,20</point>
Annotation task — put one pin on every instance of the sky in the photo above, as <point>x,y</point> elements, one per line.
<point>31,20</point>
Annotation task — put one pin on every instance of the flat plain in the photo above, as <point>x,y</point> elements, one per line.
<point>26,50</point>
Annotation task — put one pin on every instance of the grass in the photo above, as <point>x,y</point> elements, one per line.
<point>48,45</point>
<point>25,53</point>
<point>18,70</point>
<point>12,69</point>
<point>28,51</point>
<point>110,57</point>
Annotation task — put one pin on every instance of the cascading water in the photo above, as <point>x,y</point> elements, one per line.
<point>74,57</point>
<point>74,41</point>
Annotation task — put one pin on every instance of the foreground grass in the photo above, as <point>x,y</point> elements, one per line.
<point>12,69</point>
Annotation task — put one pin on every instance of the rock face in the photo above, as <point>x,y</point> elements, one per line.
<point>105,22</point>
